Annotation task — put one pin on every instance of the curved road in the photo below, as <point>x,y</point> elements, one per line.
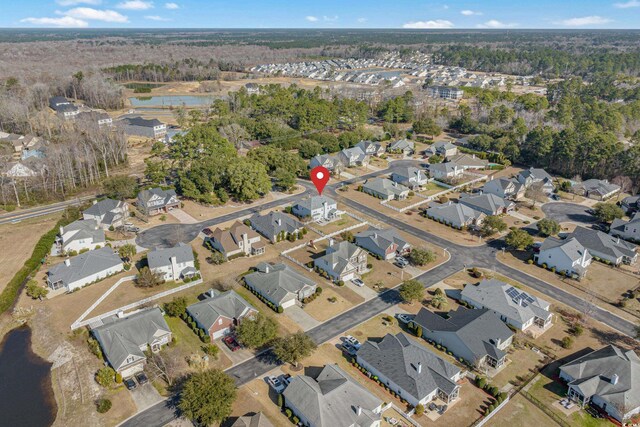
<point>460,256</point>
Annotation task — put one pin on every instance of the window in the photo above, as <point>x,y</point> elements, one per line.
<point>130,359</point>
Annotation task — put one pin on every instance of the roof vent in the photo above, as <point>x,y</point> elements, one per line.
<point>419,367</point>
<point>614,379</point>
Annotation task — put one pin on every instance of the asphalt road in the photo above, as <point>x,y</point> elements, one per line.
<point>23,214</point>
<point>568,212</point>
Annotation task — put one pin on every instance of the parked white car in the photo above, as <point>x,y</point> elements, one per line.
<point>275,384</point>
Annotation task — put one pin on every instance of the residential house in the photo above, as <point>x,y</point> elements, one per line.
<point>411,177</point>
<point>468,161</point>
<point>445,92</point>
<point>218,314</point>
<point>63,107</point>
<point>416,374</point>
<point>445,171</point>
<point>252,88</point>
<point>488,204</point>
<point>318,208</point>
<point>385,189</point>
<point>606,378</point>
<point>173,263</point>
<point>506,188</point>
<point>444,149</point>
<point>107,213</point>
<point>332,399</point>
<point>275,225</point>
<point>81,235</point>
<point>597,189</point>
<point>256,420</point>
<point>238,240</point>
<point>156,201</point>
<point>628,230</point>
<point>402,146</point>
<point>514,306</point>
<point>605,247</point>
<point>630,204</point>
<point>97,118</point>
<point>568,256</point>
<point>371,148</point>
<point>353,156</point>
<point>455,215</point>
<point>342,261</point>
<point>531,176</point>
<point>22,169</point>
<point>383,243</point>
<point>280,284</point>
<point>477,336</point>
<point>146,128</point>
<point>328,161</point>
<point>125,339</point>
<point>84,269</point>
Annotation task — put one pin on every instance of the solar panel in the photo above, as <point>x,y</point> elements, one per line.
<point>512,292</point>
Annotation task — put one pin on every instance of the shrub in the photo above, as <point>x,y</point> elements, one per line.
<point>318,290</point>
<point>288,412</point>
<point>369,265</point>
<point>94,347</point>
<point>105,376</point>
<point>529,261</point>
<point>103,405</point>
<point>295,420</point>
<point>211,350</point>
<point>280,309</point>
<point>118,378</point>
<point>567,342</point>
<point>481,382</point>
<point>340,282</point>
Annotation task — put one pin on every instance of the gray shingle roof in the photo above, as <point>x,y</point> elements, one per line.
<point>256,420</point>
<point>102,207</point>
<point>273,223</point>
<point>385,186</point>
<point>494,295</point>
<point>162,257</point>
<point>599,186</point>
<point>597,241</point>
<point>397,358</point>
<point>145,195</point>
<point>402,144</point>
<point>571,247</point>
<point>332,399</point>
<point>315,202</point>
<point>84,265</point>
<point>277,282</point>
<point>139,121</point>
<point>479,330</point>
<point>86,229</point>
<point>444,167</point>
<point>339,254</point>
<point>536,174</point>
<point>454,212</point>
<point>380,238</point>
<point>487,203</point>
<point>124,336</point>
<point>227,304</point>
<point>469,160</point>
<point>593,372</point>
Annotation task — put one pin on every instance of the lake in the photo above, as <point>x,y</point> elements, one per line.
<point>172,101</point>
<point>25,383</point>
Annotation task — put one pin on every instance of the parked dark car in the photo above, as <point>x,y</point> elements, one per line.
<point>231,343</point>
<point>142,378</point>
<point>130,383</point>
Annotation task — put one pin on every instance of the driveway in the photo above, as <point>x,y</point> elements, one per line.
<point>568,212</point>
<point>182,216</point>
<point>364,291</point>
<point>237,356</point>
<point>302,319</point>
<point>145,396</point>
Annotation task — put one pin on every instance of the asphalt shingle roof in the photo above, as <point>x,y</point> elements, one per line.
<point>227,304</point>
<point>162,257</point>
<point>598,241</point>
<point>278,282</point>
<point>273,223</point>
<point>84,265</point>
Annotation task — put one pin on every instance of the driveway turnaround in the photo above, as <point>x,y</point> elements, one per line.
<point>568,212</point>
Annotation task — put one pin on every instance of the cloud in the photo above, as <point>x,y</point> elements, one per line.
<point>585,20</point>
<point>494,23</point>
<point>311,18</point>
<point>468,12</point>
<point>362,20</point>
<point>171,6</point>
<point>156,18</point>
<point>330,18</point>
<point>87,13</point>
<point>135,5</point>
<point>437,23</point>
<point>627,5</point>
<point>64,21</point>
<point>77,2</point>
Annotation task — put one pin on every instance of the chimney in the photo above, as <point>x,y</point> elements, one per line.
<point>331,242</point>
<point>279,221</point>
<point>266,268</point>
<point>419,367</point>
<point>584,256</point>
<point>67,262</point>
<point>120,314</point>
<point>359,410</point>
<point>614,379</point>
<point>95,201</point>
<point>61,230</point>
<point>473,156</point>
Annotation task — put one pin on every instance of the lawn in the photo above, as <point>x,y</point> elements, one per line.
<point>431,188</point>
<point>257,396</point>
<point>519,412</point>
<point>337,225</point>
<point>322,309</point>
<point>464,238</point>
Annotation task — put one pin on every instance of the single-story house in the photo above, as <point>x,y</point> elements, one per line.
<point>468,161</point>
<point>84,269</point>
<point>402,146</point>
<point>146,128</point>
<point>329,161</point>
<point>173,263</point>
<point>63,107</point>
<point>514,306</point>
<point>506,188</point>
<point>536,176</point>
<point>238,240</point>
<point>318,208</point>
<point>488,204</point>
<point>410,177</point>
<point>81,234</point>
<point>156,200</point>
<point>477,336</point>
<point>252,88</point>
<point>353,156</point>
<point>607,378</point>
<point>597,189</point>
<point>108,213</point>
<point>275,225</point>
<point>455,215</point>
<point>385,189</point>
<point>280,284</point>
<point>447,170</point>
<point>628,230</point>
<point>383,243</point>
<point>342,261</point>
<point>630,204</point>
<point>220,313</point>
<point>332,399</point>
<point>568,256</point>
<point>416,374</point>
<point>608,248</point>
<point>371,148</point>
<point>124,339</point>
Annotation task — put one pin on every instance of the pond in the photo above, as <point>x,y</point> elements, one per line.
<point>25,383</point>
<point>172,101</point>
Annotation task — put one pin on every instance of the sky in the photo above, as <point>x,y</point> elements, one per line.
<point>497,14</point>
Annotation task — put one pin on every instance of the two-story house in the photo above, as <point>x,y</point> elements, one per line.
<point>146,128</point>
<point>353,156</point>
<point>173,263</point>
<point>238,240</point>
<point>568,256</point>
<point>411,177</point>
<point>342,261</point>
<point>628,230</point>
<point>107,213</point>
<point>81,234</point>
<point>506,188</point>
<point>220,312</point>
<point>318,209</point>
<point>156,201</point>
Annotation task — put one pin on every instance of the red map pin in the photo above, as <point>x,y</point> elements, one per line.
<point>320,177</point>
